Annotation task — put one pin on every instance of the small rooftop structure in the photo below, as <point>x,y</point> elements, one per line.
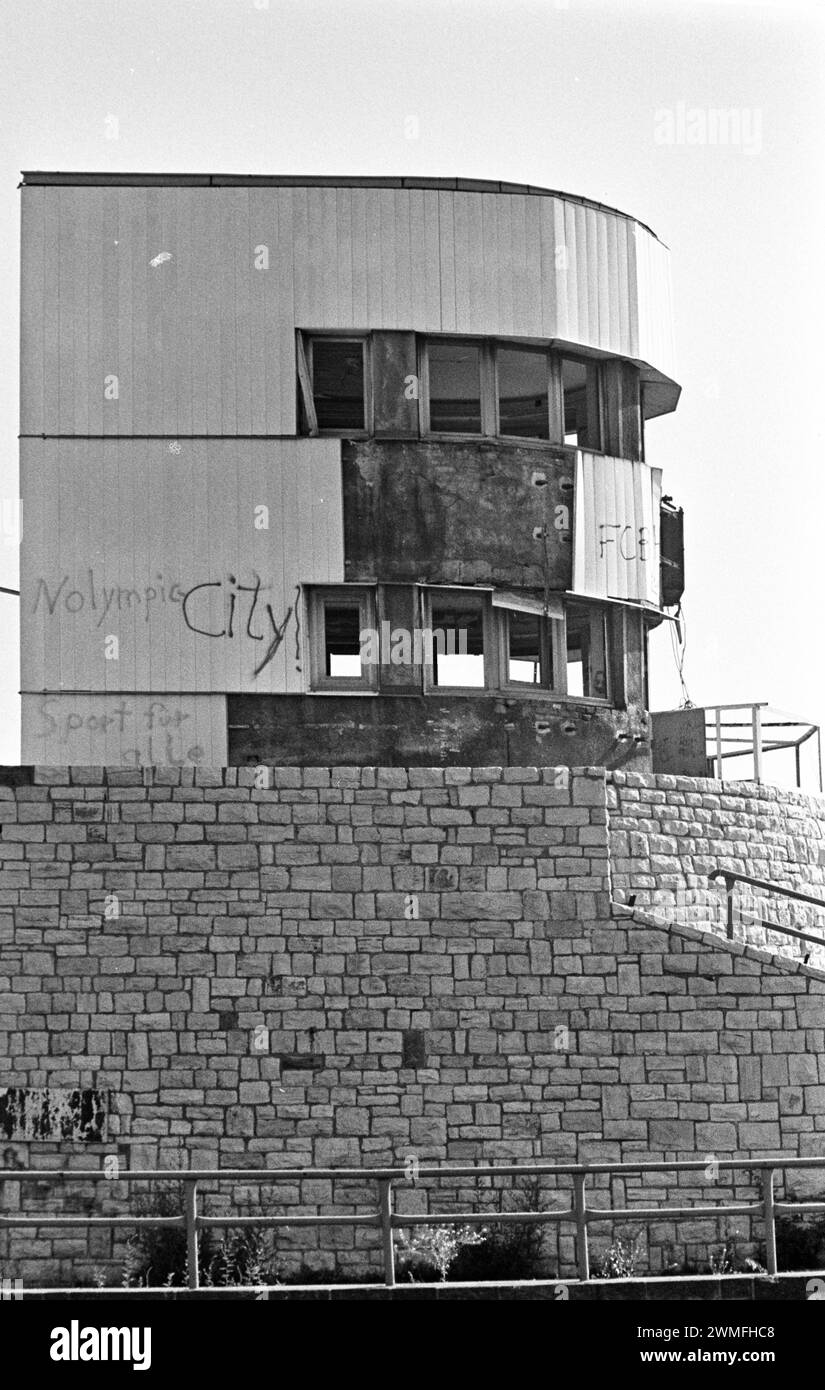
<point>701,741</point>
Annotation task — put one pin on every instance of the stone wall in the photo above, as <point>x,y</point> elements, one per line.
<point>667,834</point>
<point>360,966</point>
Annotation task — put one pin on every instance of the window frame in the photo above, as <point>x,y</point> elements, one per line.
<point>552,639</point>
<point>590,364</point>
<point>308,339</point>
<point>484,371</point>
<point>489,349</point>
<point>471,599</point>
<point>498,345</point>
<point>609,654</point>
<point>316,597</point>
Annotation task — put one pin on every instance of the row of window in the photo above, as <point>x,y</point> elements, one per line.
<point>466,641</point>
<point>464,387</point>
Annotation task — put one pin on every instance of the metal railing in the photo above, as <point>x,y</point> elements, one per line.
<point>731,879</point>
<point>388,1221</point>
<point>763,730</point>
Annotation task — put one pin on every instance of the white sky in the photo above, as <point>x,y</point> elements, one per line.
<point>563,94</point>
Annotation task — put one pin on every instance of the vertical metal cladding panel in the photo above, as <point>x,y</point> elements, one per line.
<point>61,730</point>
<point>202,342</point>
<point>624,328</point>
<point>359,253</point>
<point>462,256</point>
<point>343,269</point>
<point>653,298</point>
<point>281,409</point>
<point>117,345</point>
<point>475,259</point>
<point>549,241</point>
<point>32,308</point>
<point>503,272</point>
<point>160,550</point>
<point>616,549</point>
<point>446,263</point>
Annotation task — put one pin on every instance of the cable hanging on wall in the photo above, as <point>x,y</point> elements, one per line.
<point>678,640</point>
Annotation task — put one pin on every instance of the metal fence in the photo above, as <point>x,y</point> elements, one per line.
<point>754,730</point>
<point>385,1219</point>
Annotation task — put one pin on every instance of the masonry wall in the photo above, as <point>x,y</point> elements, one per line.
<point>362,966</point>
<point>668,834</point>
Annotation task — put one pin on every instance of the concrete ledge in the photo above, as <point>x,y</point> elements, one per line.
<point>694,1288</point>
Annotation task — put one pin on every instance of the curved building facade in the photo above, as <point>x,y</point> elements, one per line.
<point>339,471</point>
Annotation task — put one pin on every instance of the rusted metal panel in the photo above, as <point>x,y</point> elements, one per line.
<point>458,513</point>
<point>407,731</point>
<point>190,553</point>
<point>679,742</point>
<point>65,729</point>
<point>190,295</point>
<point>672,523</point>
<point>56,1113</point>
<point>616,547</point>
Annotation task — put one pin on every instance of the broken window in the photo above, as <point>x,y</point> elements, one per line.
<point>529,649</point>
<point>587,652</point>
<point>342,640</point>
<point>341,626</point>
<point>522,377</point>
<point>581,403</point>
<point>454,376</point>
<point>457,640</point>
<point>337,369</point>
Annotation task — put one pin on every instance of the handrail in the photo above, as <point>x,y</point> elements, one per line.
<point>388,1221</point>
<point>731,879</point>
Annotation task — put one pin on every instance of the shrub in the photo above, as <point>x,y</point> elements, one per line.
<point>623,1257</point>
<point>433,1249</point>
<point>511,1251</point>
<point>800,1241</point>
<point>157,1255</point>
<point>244,1257</point>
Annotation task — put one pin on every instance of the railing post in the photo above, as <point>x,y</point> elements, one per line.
<point>190,1212</point>
<point>719,744</point>
<point>770,1223</point>
<point>385,1213</point>
<point>580,1208</point>
<point>729,889</point>
<point>757,743</point>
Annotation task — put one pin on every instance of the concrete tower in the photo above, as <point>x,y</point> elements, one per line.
<point>339,471</point>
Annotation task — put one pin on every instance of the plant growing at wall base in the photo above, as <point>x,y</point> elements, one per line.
<point>800,1240</point>
<point>435,1248</point>
<point>727,1259</point>
<point>513,1250</point>
<point>156,1255</point>
<point>623,1257</point>
<point>244,1258</point>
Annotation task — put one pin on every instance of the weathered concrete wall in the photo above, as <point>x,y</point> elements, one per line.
<point>359,965</point>
<point>422,511</point>
<point>425,730</point>
<point>667,834</point>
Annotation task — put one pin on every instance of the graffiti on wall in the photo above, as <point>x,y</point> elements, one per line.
<point>153,727</point>
<point>225,609</point>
